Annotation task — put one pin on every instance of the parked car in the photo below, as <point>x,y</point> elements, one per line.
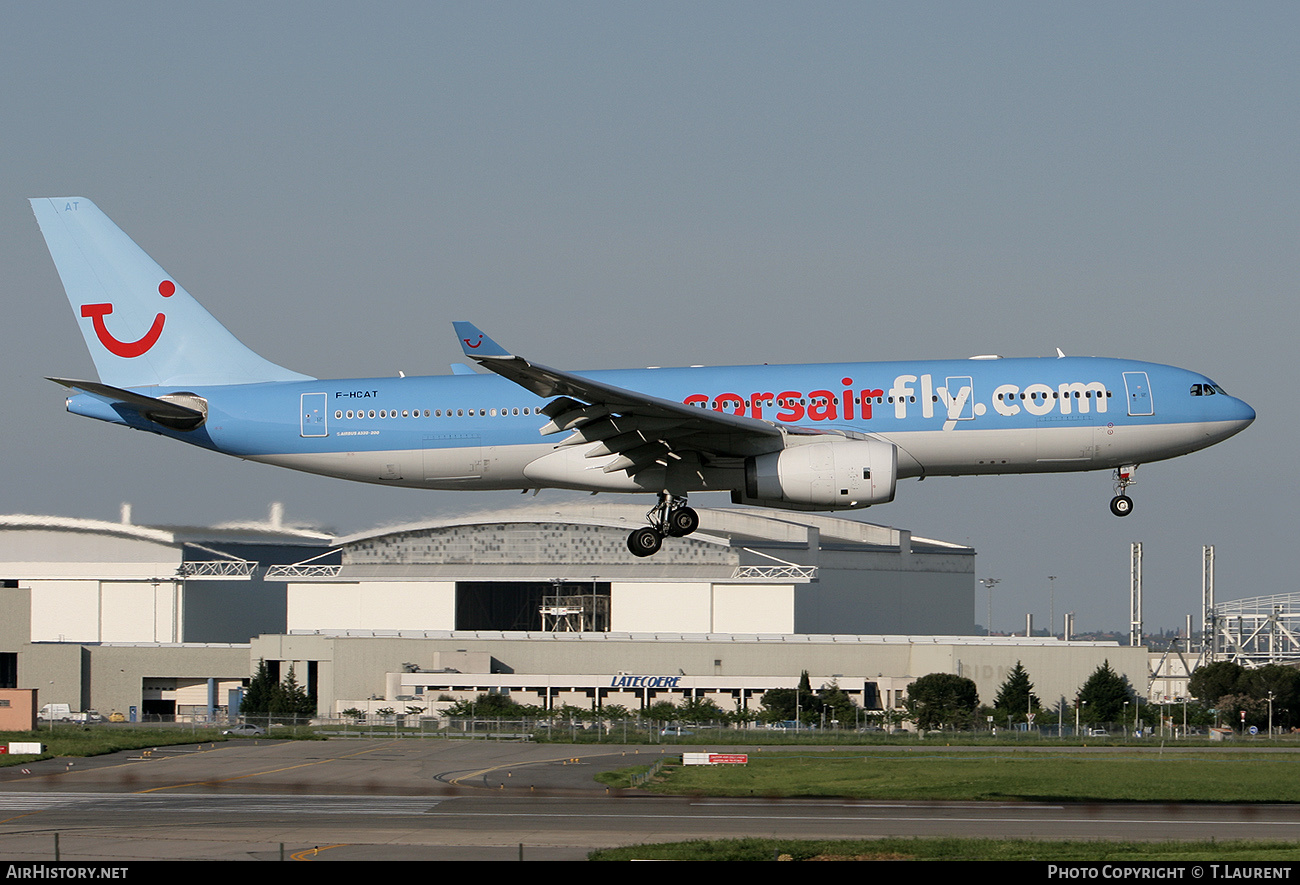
<point>676,731</point>
<point>245,729</point>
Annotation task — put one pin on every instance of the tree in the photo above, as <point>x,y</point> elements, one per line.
<point>1016,697</point>
<point>257,699</point>
<point>838,705</point>
<point>1283,683</point>
<point>490,706</point>
<point>1231,706</point>
<point>282,700</point>
<point>698,711</point>
<point>942,700</point>
<point>1230,688</point>
<point>742,718</point>
<point>661,711</point>
<point>1103,696</point>
<point>786,704</point>
<point>290,700</point>
<point>1213,681</point>
<point>614,712</point>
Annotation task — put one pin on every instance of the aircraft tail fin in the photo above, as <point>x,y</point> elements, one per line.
<point>142,328</point>
<point>476,344</point>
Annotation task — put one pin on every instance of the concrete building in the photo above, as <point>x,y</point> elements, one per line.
<point>542,602</point>
<point>371,670</point>
<point>554,569</point>
<point>139,619</point>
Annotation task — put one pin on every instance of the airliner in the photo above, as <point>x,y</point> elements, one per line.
<point>834,436</point>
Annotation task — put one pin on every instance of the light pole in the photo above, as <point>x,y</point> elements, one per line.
<point>989,584</point>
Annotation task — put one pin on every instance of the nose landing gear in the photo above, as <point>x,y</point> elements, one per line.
<point>669,518</point>
<point>1122,504</point>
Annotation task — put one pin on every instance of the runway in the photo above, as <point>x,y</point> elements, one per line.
<point>436,800</point>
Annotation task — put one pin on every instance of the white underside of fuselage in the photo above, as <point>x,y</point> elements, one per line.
<point>1047,449</point>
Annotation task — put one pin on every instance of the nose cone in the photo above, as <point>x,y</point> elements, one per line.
<point>1245,415</point>
<point>1238,416</point>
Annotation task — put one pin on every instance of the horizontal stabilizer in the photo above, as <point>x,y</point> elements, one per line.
<point>160,411</point>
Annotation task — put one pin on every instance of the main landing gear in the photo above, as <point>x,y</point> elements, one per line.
<point>1122,504</point>
<point>669,518</point>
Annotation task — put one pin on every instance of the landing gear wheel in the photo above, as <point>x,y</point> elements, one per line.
<point>644,542</point>
<point>683,521</point>
<point>1121,505</point>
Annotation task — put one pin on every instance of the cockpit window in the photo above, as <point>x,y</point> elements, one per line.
<point>1207,390</point>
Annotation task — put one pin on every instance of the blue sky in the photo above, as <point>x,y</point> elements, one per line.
<point>602,185</point>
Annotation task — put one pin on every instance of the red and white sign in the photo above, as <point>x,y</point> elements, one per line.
<point>715,759</point>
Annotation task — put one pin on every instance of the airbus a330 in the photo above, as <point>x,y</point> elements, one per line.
<point>834,436</point>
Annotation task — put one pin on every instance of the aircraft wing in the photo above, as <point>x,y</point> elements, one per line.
<point>640,429</point>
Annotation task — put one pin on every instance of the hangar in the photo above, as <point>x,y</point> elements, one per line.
<point>153,620</point>
<point>542,602</point>
<point>566,568</point>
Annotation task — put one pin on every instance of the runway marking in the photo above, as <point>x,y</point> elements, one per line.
<point>268,771</point>
<point>483,772</point>
<point>20,816</point>
<point>239,804</point>
<point>309,853</point>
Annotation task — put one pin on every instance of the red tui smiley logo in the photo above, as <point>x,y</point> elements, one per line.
<point>128,349</point>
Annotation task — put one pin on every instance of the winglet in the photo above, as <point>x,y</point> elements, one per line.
<point>477,345</point>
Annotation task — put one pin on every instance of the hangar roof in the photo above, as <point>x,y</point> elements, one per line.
<point>722,526</point>
<point>567,540</point>
<point>235,533</point>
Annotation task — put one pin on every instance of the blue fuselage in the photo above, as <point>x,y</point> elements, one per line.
<point>946,417</point>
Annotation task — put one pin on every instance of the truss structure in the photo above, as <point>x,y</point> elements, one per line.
<point>575,614</point>
<point>1256,631</point>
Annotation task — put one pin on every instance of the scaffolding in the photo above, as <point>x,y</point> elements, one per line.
<point>576,612</point>
<point>1257,631</point>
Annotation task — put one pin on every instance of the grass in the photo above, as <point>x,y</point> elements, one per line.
<point>733,737</point>
<point>956,850</point>
<point>996,775</point>
<point>1221,775</point>
<point>96,740</point>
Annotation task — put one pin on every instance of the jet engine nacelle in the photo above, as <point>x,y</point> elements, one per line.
<point>831,475</point>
